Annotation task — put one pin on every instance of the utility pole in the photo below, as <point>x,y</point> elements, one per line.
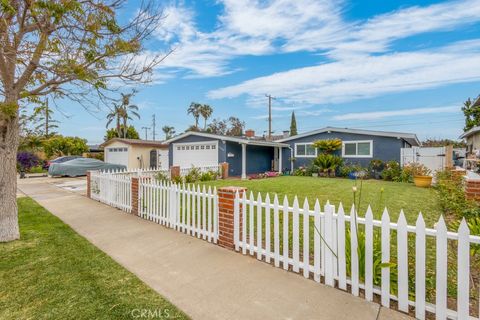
<point>270,115</point>
<point>146,132</point>
<point>153,126</point>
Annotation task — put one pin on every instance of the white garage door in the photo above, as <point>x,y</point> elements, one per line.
<point>196,154</point>
<point>117,156</point>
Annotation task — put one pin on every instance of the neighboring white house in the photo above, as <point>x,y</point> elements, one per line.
<point>136,153</point>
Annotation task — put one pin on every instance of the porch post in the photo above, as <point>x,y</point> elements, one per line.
<point>280,159</point>
<point>244,161</point>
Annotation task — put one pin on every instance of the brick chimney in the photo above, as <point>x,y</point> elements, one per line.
<point>249,133</point>
<point>286,133</point>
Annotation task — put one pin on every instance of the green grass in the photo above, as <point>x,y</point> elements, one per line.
<point>54,273</point>
<point>395,195</point>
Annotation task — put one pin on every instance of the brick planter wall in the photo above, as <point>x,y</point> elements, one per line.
<point>174,172</point>
<point>225,168</point>
<point>89,191</point>
<point>135,196</point>
<point>226,200</point>
<point>472,189</point>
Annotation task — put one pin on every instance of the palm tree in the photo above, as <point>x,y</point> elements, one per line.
<point>127,109</point>
<point>116,115</point>
<point>169,132</point>
<point>206,112</point>
<point>194,110</point>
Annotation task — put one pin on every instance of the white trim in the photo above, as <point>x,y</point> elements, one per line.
<point>305,156</point>
<point>410,137</point>
<point>227,138</point>
<point>357,142</point>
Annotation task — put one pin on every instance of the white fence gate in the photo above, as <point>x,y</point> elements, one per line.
<point>341,249</point>
<point>112,188</point>
<point>185,208</point>
<point>434,158</point>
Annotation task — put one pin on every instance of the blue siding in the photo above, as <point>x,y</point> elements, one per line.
<point>259,158</point>
<point>384,148</point>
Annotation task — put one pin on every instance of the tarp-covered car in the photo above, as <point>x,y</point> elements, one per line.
<point>80,166</point>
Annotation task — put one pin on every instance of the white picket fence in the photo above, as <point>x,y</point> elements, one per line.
<point>185,208</point>
<point>314,241</point>
<point>112,188</point>
<point>203,169</point>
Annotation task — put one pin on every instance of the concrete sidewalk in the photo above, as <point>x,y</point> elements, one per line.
<point>202,279</point>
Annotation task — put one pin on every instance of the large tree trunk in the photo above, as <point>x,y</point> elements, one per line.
<point>8,178</point>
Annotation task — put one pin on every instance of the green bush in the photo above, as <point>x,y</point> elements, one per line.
<point>193,175</point>
<point>300,171</point>
<point>177,179</point>
<point>328,145</point>
<point>161,176</point>
<point>209,176</point>
<point>347,169</point>
<point>328,163</point>
<point>452,196</point>
<point>392,171</point>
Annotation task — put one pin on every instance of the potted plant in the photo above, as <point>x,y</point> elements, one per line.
<point>421,175</point>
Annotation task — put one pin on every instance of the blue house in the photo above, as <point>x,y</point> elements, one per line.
<point>244,155</point>
<point>358,146</point>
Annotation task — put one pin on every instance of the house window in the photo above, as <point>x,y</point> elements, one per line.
<point>306,150</point>
<point>357,149</point>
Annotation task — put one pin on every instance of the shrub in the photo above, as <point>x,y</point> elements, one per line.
<point>410,170</point>
<point>193,175</point>
<point>328,163</point>
<point>348,170</point>
<point>376,167</point>
<point>27,160</point>
<point>208,176</point>
<point>161,176</point>
<point>328,145</point>
<point>392,171</point>
<point>300,171</point>
<point>452,196</point>
<point>178,179</point>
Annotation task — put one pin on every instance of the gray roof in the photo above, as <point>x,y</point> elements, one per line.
<point>470,132</point>
<point>241,140</point>
<point>411,138</point>
<point>137,142</point>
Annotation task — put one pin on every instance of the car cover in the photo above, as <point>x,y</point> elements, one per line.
<point>80,166</point>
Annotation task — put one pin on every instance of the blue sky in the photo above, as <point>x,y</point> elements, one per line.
<point>383,65</point>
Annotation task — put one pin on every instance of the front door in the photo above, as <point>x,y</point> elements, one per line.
<point>153,159</point>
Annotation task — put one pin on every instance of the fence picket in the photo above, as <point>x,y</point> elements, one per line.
<point>342,264</point>
<point>296,236</point>
<point>385,258</point>
<point>402,256</point>
<point>441,274</point>
<point>276,232</point>
<point>316,242</point>
<point>306,239</point>
<point>244,223</point>
<point>267,228</point>
<point>285,233</point>
<point>463,271</point>
<point>353,251</point>
<point>204,212</point>
<point>259,226</point>
<point>210,214</point>
<point>328,239</point>
<point>251,223</point>
<point>369,255</point>
<point>420,268</point>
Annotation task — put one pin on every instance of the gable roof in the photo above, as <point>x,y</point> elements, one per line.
<point>411,138</point>
<point>137,142</point>
<point>241,140</point>
<point>470,132</point>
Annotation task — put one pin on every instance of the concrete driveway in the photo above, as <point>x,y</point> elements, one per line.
<point>202,279</point>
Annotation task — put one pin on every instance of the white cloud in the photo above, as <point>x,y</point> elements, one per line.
<point>366,76</point>
<point>394,113</point>
<point>254,27</point>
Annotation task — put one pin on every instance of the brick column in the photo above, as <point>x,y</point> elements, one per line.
<point>174,172</point>
<point>225,168</point>
<point>226,200</point>
<point>472,188</point>
<point>135,196</point>
<point>89,190</point>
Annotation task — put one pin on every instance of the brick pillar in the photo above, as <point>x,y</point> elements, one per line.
<point>226,200</point>
<point>174,172</point>
<point>225,168</point>
<point>89,191</point>
<point>135,196</point>
<point>472,188</point>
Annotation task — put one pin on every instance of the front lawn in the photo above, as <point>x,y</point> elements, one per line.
<point>395,195</point>
<point>54,273</point>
